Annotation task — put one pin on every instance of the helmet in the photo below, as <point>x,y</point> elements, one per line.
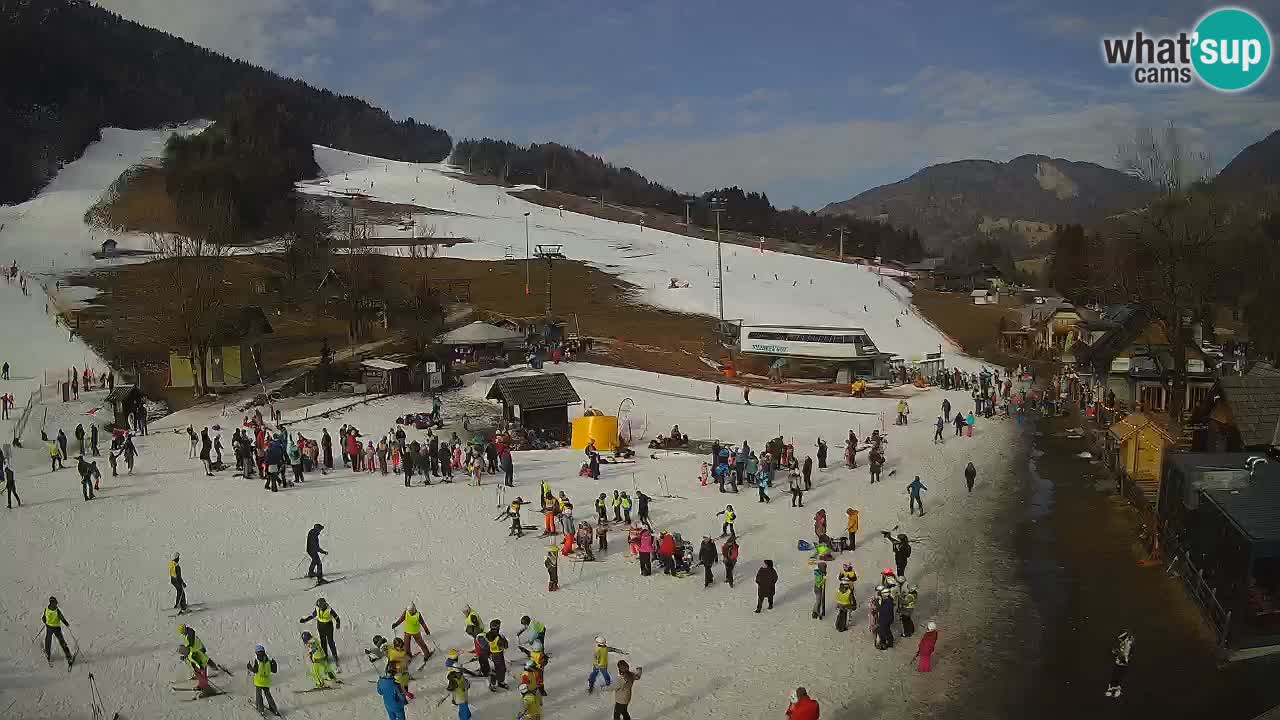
<point>259,649</point>
<point>306,635</point>
<point>848,566</point>
<point>181,628</point>
<point>600,640</point>
<point>524,688</point>
<point>321,603</point>
<point>452,655</point>
<point>932,625</point>
<point>887,571</point>
<point>528,665</point>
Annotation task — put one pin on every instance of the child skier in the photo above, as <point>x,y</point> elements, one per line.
<point>321,665</point>
<point>599,665</point>
<point>262,668</point>
<point>729,517</point>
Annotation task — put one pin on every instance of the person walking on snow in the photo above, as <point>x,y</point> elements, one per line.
<point>901,551</point>
<point>937,429</point>
<point>179,585</point>
<point>327,621</point>
<point>1119,663</point>
<point>457,687</point>
<point>53,622</point>
<point>707,557</point>
<point>206,448</point>
<point>599,665</point>
<point>959,422</point>
<point>820,524</point>
<point>970,474</point>
<point>822,454</point>
<point>414,629</point>
<point>766,583</point>
<point>729,516</point>
<point>616,502</point>
<point>844,605</point>
<point>729,554</point>
<point>314,551</point>
<point>797,492</point>
<point>820,591</point>
<point>622,694</point>
<point>924,651</point>
<point>262,668</point>
<point>393,700</point>
<point>914,489</point>
<point>552,564</point>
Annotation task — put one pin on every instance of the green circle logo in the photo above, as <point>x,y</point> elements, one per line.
<point>1231,49</point>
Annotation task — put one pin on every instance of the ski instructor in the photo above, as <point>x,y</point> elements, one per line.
<point>314,550</point>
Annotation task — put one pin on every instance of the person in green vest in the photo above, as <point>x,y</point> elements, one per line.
<point>53,622</point>
<point>820,591</point>
<point>626,508</point>
<point>262,668</point>
<point>414,628</point>
<point>537,631</point>
<point>321,665</point>
<point>326,621</point>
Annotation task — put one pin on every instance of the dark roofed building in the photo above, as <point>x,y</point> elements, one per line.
<point>124,401</point>
<point>1240,413</point>
<point>538,402</point>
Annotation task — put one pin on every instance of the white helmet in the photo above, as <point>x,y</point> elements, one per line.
<point>600,640</point>
<point>524,688</point>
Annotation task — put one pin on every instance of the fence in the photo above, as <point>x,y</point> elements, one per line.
<point>1219,617</point>
<point>20,427</point>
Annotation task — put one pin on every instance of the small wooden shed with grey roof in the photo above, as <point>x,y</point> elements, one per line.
<point>1240,413</point>
<point>538,402</point>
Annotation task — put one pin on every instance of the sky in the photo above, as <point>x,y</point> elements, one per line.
<point>810,102</point>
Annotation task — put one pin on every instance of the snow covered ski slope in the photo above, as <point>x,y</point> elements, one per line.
<point>769,287</point>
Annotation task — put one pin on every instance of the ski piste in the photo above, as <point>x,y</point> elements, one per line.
<point>264,712</point>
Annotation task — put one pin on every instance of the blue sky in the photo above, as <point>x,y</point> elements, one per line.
<point>812,102</point>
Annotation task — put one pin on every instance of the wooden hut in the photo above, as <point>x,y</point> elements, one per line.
<point>538,402</point>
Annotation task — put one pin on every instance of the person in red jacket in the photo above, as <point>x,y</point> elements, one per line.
<point>802,706</point>
<point>667,553</point>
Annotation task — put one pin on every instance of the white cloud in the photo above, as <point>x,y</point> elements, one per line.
<point>680,114</point>
<point>239,28</point>
<point>761,96</point>
<point>417,9</point>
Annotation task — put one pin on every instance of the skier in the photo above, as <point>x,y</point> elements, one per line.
<point>729,516</point>
<point>797,491</point>
<point>599,665</point>
<point>327,621</point>
<point>820,591</point>
<point>970,474</point>
<point>959,422</point>
<point>851,527</point>
<point>513,512</point>
<point>552,564</point>
<point>457,688</point>
<point>913,489</point>
<point>642,506</point>
<point>1119,658</point>
<point>729,554</point>
<point>626,507</point>
<point>130,451</point>
<point>924,651</point>
<point>762,483</point>
<point>179,585</point>
<point>901,551</point>
<point>398,659</point>
<point>321,664</point>
<point>530,703</point>
<point>414,629</point>
<point>497,645</point>
<point>616,503</point>
<point>187,635</point>
<point>11,487</point>
<point>766,582</point>
<point>316,569</point>
<point>602,507</point>
<point>707,557</point>
<point>622,694</point>
<point>262,668</point>
<point>537,631</point>
<point>199,663</point>
<point>53,622</point>
<point>946,408</point>
<point>844,604</point>
<point>393,700</point>
<point>86,477</point>
<point>877,463</point>
<point>593,459</point>
<point>906,608</point>
<point>884,620</point>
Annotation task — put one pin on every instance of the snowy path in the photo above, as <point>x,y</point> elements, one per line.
<point>705,653</point>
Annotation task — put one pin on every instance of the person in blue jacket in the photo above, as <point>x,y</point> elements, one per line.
<point>914,490</point>
<point>392,698</point>
<point>275,465</point>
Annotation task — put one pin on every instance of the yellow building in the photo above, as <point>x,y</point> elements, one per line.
<point>233,360</point>
<point>1138,443</point>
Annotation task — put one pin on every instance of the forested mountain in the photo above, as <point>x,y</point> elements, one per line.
<point>69,68</point>
<point>961,200</point>
<point>1257,167</point>
<point>573,171</point>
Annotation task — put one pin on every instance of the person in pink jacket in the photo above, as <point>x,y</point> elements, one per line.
<point>924,651</point>
<point>646,552</point>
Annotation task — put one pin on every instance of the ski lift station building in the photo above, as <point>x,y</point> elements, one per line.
<point>849,352</point>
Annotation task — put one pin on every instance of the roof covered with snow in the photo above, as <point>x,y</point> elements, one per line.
<point>478,333</point>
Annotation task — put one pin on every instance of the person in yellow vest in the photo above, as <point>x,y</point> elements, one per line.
<point>497,644</point>
<point>844,604</point>
<point>321,665</point>
<point>530,703</point>
<point>414,629</point>
<point>729,517</point>
<point>399,657</point>
<point>327,621</point>
<point>55,458</point>
<point>199,662</point>
<point>599,666</point>
<point>179,585</point>
<point>262,668</point>
<point>473,621</point>
<point>187,634</point>
<point>851,525</point>
<point>457,688</point>
<point>53,622</point>
<point>616,502</point>
<point>626,508</point>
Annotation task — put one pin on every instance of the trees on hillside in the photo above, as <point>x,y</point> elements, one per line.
<point>72,68</point>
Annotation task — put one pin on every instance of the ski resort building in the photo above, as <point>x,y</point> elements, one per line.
<point>848,352</point>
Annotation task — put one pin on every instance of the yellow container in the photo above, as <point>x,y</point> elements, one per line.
<point>603,428</point>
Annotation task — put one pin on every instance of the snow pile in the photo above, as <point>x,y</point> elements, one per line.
<point>768,287</point>
<point>704,652</point>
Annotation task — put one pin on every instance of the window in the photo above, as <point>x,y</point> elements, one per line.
<point>1196,395</point>
<point>808,337</point>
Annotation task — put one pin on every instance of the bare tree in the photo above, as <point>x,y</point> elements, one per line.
<point>1169,258</point>
<point>363,281</point>
<point>194,306</point>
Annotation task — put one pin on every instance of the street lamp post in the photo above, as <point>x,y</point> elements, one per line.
<point>526,253</point>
